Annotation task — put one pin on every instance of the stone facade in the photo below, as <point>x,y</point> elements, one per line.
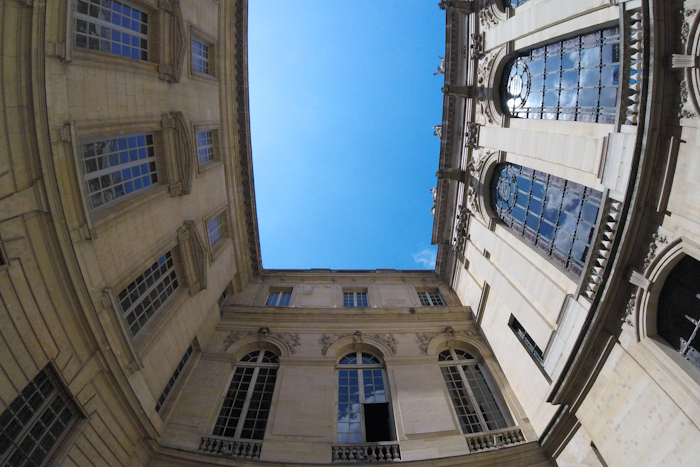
<point>571,361</point>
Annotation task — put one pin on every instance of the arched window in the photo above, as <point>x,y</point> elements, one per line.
<point>364,414</point>
<point>678,312</point>
<point>556,215</point>
<point>515,3</point>
<point>573,79</point>
<point>246,406</point>
<point>476,407</point>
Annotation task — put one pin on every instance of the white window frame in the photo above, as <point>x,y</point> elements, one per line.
<point>355,299</point>
<point>205,140</point>
<point>430,298</point>
<point>201,56</point>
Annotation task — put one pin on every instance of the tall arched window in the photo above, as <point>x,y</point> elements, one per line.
<point>573,79</point>
<point>246,406</point>
<point>556,215</point>
<point>364,414</point>
<point>474,402</point>
<point>678,315</point>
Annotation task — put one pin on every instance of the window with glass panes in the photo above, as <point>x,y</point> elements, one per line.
<point>431,298</point>
<point>246,405</point>
<point>111,26</point>
<point>118,166</point>
<point>515,3</point>
<point>205,146</point>
<point>556,215</point>
<point>173,379</point>
<point>200,56</point>
<point>279,298</point>
<point>527,340</point>
<point>473,400</point>
<point>355,299</point>
<point>573,79</point>
<point>215,228</point>
<point>33,424</point>
<point>363,402</point>
<point>147,293</point>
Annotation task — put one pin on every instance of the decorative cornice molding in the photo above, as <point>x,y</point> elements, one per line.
<point>263,334</point>
<point>423,339</point>
<point>387,339</point>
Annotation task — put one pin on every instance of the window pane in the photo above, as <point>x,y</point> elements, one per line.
<point>110,26</point>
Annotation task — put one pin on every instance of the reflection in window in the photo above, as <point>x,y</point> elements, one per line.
<point>556,215</point>
<point>246,406</point>
<point>118,166</point>
<point>279,298</point>
<point>678,315</point>
<point>205,146</point>
<point>515,3</point>
<point>574,79</point>
<point>363,403</point>
<point>200,56</point>
<point>471,395</point>
<point>111,26</point>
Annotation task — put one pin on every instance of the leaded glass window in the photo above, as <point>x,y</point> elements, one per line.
<point>246,405</point>
<point>573,79</point>
<point>111,26</point>
<point>173,378</point>
<point>32,426</point>
<point>554,214</point>
<point>474,402</point>
<point>148,292</point>
<point>363,402</point>
<point>118,166</point>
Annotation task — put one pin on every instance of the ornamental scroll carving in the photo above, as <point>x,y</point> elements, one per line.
<point>485,109</point>
<point>423,338</point>
<point>489,14</point>
<point>358,337</point>
<point>459,241</point>
<point>263,334</point>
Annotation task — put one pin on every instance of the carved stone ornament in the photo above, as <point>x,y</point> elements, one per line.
<point>171,52</point>
<point>263,333</point>
<point>423,338</point>
<point>441,67</point>
<point>484,92</point>
<point>685,27</point>
<point>433,192</point>
<point>437,131</point>
<point>629,311</point>
<point>459,240</point>
<point>471,136</point>
<point>476,46</point>
<point>657,241</point>
<point>685,110</point>
<point>179,144</point>
<point>195,256</point>
<point>489,14</point>
<point>473,203</point>
<point>387,339</point>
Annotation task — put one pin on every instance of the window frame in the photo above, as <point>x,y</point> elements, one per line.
<point>537,354</point>
<point>359,298</point>
<point>279,298</point>
<point>485,373</point>
<point>245,408</point>
<point>217,160</point>
<point>199,35</point>
<point>216,248</point>
<point>181,368</point>
<point>430,300</point>
<point>360,367</point>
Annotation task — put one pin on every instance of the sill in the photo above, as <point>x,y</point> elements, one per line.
<point>210,166</point>
<point>207,78</point>
<point>86,57</point>
<point>107,215</point>
<point>219,248</point>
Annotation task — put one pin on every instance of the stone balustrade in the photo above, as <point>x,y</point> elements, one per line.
<point>495,439</point>
<point>228,447</point>
<point>366,452</point>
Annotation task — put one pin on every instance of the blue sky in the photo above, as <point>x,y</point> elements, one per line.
<point>342,102</point>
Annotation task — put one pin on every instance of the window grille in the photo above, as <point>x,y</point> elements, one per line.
<point>111,26</point>
<point>527,341</point>
<point>430,299</point>
<point>355,299</point>
<point>205,146</point>
<point>574,79</point>
<point>474,402</point>
<point>34,424</point>
<point>176,374</point>
<point>246,406</point>
<point>556,215</point>
<point>279,298</point>
<point>215,227</point>
<point>118,166</point>
<point>200,57</point>
<point>363,402</point>
<point>148,292</point>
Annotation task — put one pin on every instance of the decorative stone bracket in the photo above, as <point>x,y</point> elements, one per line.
<point>461,233</point>
<point>194,257</point>
<point>180,151</point>
<point>263,334</point>
<point>171,53</point>
<point>423,338</point>
<point>451,174</point>
<point>358,337</point>
<point>458,90</point>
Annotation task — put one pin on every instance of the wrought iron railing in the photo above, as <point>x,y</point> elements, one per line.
<point>495,439</point>
<point>366,452</point>
<point>228,447</point>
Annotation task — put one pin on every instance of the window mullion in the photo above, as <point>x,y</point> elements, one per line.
<point>248,397</point>
<point>472,397</point>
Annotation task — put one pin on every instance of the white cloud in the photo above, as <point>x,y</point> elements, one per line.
<point>426,257</point>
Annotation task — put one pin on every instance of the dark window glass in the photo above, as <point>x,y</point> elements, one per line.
<point>574,79</point>
<point>556,215</point>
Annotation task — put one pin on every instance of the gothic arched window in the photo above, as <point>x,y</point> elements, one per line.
<point>679,309</point>
<point>364,414</point>
<point>574,79</point>
<point>474,402</point>
<point>556,215</point>
<point>246,406</point>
